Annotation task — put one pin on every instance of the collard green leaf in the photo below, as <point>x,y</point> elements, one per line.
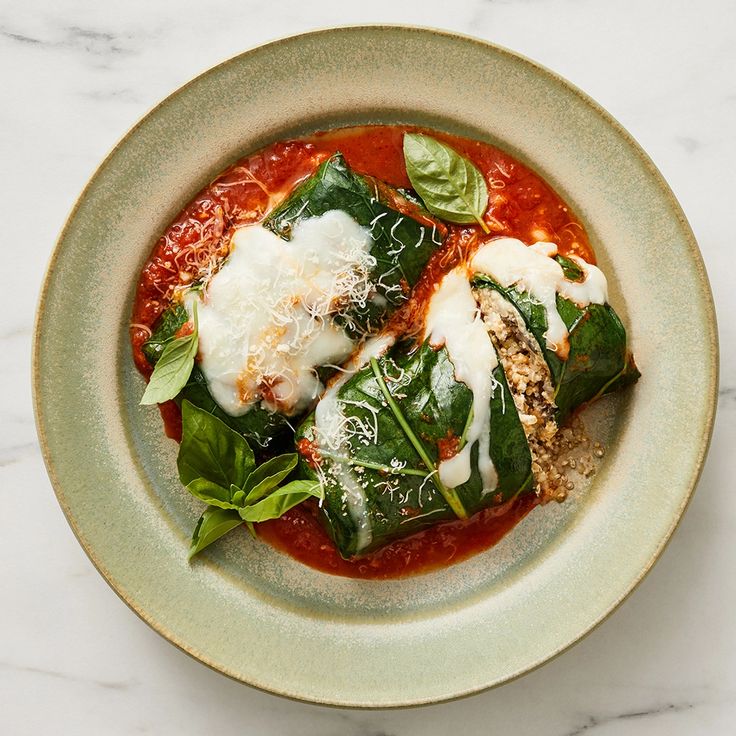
<point>401,245</point>
<point>213,524</point>
<point>598,353</point>
<point>265,428</point>
<point>450,186</point>
<point>211,450</point>
<point>173,368</point>
<point>268,475</point>
<point>278,502</point>
<point>449,494</point>
<point>437,407</point>
<point>629,375</point>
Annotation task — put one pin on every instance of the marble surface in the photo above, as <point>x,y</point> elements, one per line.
<point>73,659</point>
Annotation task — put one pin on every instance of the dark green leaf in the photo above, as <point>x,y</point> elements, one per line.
<point>629,375</point>
<point>263,427</point>
<point>281,500</point>
<point>450,495</point>
<point>450,186</point>
<point>172,368</point>
<point>598,353</point>
<point>210,449</point>
<point>402,245</point>
<point>268,475</point>
<point>213,524</point>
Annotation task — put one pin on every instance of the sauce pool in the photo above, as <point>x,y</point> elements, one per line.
<point>300,534</point>
<point>521,205</point>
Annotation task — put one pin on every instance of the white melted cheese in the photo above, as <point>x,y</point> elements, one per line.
<point>266,321</point>
<point>333,431</point>
<point>532,268</point>
<point>453,320</point>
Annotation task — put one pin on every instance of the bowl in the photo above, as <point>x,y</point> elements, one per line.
<point>257,615</point>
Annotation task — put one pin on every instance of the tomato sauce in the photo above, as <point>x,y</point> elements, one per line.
<point>300,534</point>
<point>521,205</point>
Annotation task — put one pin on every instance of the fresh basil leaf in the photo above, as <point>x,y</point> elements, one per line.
<point>173,367</point>
<point>450,186</point>
<point>281,500</point>
<point>211,493</point>
<point>213,524</point>
<point>267,476</point>
<point>237,496</point>
<point>211,450</point>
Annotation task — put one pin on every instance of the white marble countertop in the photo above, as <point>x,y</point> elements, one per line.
<point>73,659</point>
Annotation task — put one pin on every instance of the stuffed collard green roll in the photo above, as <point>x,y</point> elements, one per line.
<point>377,441</point>
<point>296,295</point>
<point>470,416</point>
<point>562,303</point>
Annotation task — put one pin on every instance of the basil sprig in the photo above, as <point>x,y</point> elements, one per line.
<point>450,186</point>
<point>173,368</point>
<point>217,466</point>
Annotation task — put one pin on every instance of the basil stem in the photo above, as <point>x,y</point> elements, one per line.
<point>449,494</point>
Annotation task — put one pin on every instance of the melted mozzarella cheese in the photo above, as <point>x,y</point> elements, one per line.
<point>532,268</point>
<point>453,320</point>
<point>266,321</point>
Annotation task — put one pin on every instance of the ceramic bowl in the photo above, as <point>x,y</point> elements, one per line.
<point>244,608</point>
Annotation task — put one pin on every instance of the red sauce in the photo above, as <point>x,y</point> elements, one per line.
<point>300,534</point>
<point>522,205</point>
<point>448,446</point>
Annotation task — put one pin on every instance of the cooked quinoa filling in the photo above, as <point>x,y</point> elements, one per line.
<point>555,450</point>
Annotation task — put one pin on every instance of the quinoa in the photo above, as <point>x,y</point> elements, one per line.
<point>558,453</point>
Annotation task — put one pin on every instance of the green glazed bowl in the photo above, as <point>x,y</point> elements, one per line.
<point>244,608</point>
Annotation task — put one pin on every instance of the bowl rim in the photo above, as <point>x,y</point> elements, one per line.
<point>711,391</point>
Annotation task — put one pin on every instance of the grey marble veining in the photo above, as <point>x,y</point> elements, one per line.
<point>75,76</point>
